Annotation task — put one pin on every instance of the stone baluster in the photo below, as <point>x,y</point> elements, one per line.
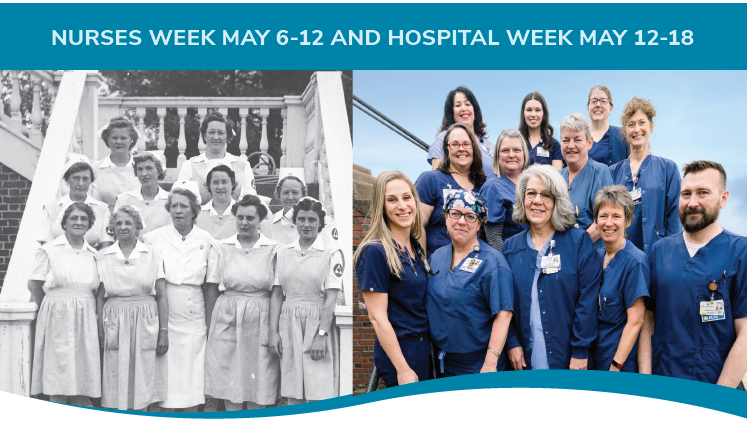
<point>284,142</point>
<point>263,143</point>
<point>52,91</point>
<point>76,146</point>
<point>36,111</point>
<point>141,145</point>
<point>161,112</point>
<point>182,143</point>
<point>243,142</point>
<point>16,118</point>
<point>201,114</point>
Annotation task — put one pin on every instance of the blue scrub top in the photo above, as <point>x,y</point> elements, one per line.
<point>461,305</point>
<point>487,151</point>
<point>659,180</point>
<point>536,331</point>
<point>567,299</point>
<point>406,304</point>
<point>626,278</point>
<point>430,186</point>
<point>683,345</point>
<point>611,149</point>
<point>500,193</point>
<point>555,154</point>
<point>590,180</point>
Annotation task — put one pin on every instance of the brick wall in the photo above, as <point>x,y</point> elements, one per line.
<point>363,332</point>
<point>14,192</point>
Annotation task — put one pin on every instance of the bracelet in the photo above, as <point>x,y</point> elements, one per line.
<point>618,365</point>
<point>492,350</point>
<point>163,329</point>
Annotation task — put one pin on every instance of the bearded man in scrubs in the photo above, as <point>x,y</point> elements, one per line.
<point>696,319</point>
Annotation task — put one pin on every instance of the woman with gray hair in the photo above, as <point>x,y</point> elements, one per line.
<point>556,277</point>
<point>190,256</point>
<point>499,190</point>
<point>584,177</point>
<point>133,329</point>
<point>624,286</point>
<point>62,283</point>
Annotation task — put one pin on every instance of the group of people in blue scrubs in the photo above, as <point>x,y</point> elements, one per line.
<point>538,253</point>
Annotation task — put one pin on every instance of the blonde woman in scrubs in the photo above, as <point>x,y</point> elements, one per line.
<point>63,281</point>
<point>215,216</point>
<point>113,172</point>
<point>240,368</point>
<point>302,327</point>
<point>133,329</point>
<point>190,257</point>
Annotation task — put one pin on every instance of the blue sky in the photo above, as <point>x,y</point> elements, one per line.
<point>698,114</point>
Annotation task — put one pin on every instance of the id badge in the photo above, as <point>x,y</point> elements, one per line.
<point>635,194</point>
<point>541,152</point>
<point>712,310</point>
<point>550,264</point>
<point>470,265</point>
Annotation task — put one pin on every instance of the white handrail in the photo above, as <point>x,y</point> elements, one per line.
<point>46,182</point>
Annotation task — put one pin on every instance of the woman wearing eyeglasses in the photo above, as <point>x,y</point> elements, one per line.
<point>461,169</point>
<point>217,132</point>
<point>469,299</point>
<point>556,274</point>
<point>609,145</point>
<point>461,106</point>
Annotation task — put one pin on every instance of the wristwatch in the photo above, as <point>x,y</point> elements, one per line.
<point>618,365</point>
<point>323,333</point>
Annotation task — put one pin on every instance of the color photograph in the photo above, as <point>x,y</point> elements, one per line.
<point>493,235</point>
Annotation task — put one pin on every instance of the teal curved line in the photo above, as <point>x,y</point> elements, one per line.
<point>708,396</point>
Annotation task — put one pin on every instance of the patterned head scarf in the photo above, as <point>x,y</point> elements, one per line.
<point>467,199</point>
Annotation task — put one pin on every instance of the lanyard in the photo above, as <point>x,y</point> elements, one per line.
<point>409,259</point>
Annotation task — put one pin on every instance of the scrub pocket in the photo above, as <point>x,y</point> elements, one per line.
<point>709,360</point>
<point>613,310</point>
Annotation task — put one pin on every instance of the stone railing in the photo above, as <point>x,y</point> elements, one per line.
<point>315,137</point>
<point>194,109</point>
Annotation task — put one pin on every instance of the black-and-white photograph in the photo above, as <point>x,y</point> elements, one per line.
<point>176,240</point>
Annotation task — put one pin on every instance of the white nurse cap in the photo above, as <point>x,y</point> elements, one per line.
<point>187,185</point>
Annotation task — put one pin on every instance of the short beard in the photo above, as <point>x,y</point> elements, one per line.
<point>707,218</point>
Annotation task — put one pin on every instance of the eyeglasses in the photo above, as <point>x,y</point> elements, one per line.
<point>455,145</point>
<point>456,215</point>
<point>602,101</point>
<point>546,196</point>
<point>216,132</point>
